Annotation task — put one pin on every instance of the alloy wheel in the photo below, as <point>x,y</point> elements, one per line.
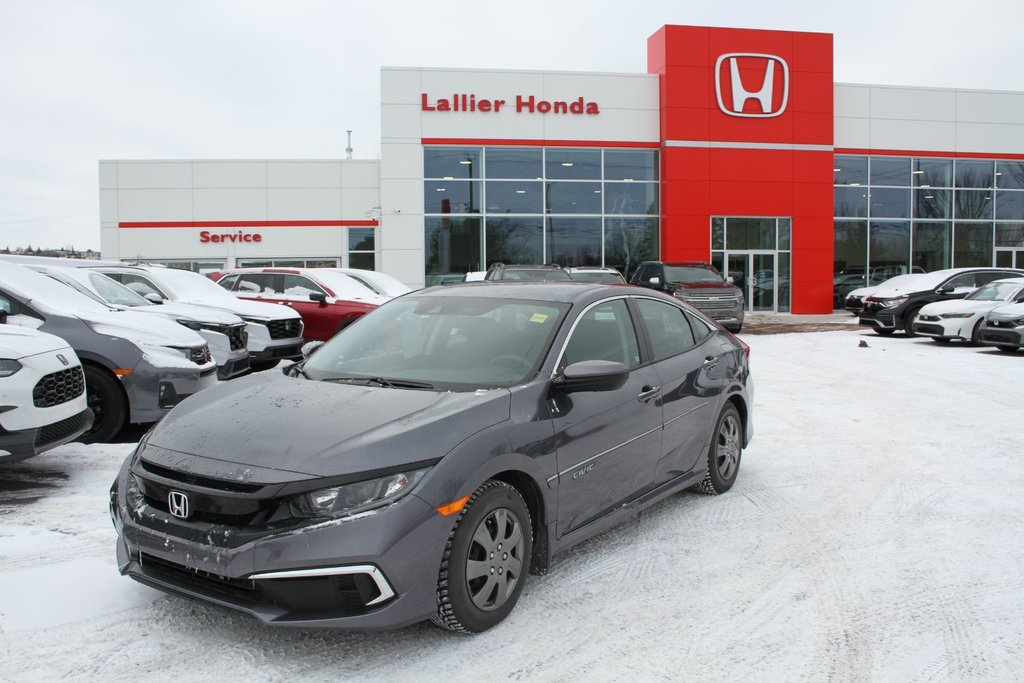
<point>495,563</point>
<point>728,447</point>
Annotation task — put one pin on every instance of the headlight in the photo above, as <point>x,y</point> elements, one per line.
<point>191,324</point>
<point>956,315</point>
<point>894,302</point>
<point>341,501</point>
<point>258,321</point>
<point>9,367</point>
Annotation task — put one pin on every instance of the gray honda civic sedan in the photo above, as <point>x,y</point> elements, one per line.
<point>422,462</point>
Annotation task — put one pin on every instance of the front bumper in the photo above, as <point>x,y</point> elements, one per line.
<point>372,571</point>
<point>25,443</point>
<point>946,328</point>
<point>153,391</point>
<point>1007,337</point>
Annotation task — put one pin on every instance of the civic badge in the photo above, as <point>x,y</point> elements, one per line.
<point>177,504</point>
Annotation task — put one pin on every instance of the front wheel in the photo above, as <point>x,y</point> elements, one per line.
<point>724,454</point>
<point>908,323</point>
<point>108,404</point>
<point>882,332</point>
<point>485,560</point>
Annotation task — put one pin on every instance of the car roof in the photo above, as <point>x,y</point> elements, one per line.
<point>555,291</point>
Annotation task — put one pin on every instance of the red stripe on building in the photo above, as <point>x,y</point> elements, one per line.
<point>248,224</point>
<point>539,143</point>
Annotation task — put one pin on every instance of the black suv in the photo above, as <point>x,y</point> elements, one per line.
<point>548,272</point>
<point>889,310</point>
<point>699,284</point>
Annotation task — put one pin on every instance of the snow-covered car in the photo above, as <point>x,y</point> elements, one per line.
<point>854,300</point>
<point>893,308</point>
<point>224,332</point>
<point>382,283</point>
<point>420,464</point>
<point>328,300</point>
<point>961,319</point>
<point>137,366</point>
<point>42,393</point>
<point>1004,328</point>
<point>274,331</point>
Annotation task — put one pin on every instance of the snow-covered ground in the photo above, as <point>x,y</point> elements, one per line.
<point>874,534</point>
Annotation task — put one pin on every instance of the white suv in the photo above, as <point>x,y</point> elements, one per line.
<point>42,393</point>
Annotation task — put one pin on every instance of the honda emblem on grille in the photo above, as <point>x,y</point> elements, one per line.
<point>177,504</point>
<point>738,95</point>
<point>62,359</point>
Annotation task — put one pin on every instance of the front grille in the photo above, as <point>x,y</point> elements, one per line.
<point>1001,337</point>
<point>713,304</point>
<point>58,387</point>
<point>62,430</point>
<point>237,337</point>
<point>198,480</point>
<point>200,356</point>
<point>285,329</point>
<point>1004,323</point>
<point>289,351</point>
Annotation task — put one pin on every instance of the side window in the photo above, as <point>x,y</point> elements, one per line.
<point>138,284</point>
<point>228,282</point>
<point>667,327</point>
<point>297,285</point>
<point>985,278</point>
<point>642,274</point>
<point>256,283</point>
<point>5,304</point>
<point>962,280</point>
<point>701,329</point>
<point>605,332</point>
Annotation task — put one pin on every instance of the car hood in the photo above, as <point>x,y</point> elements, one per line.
<point>1007,312</point>
<point>19,342</point>
<point>183,311</point>
<point>141,328</point>
<point>863,291</point>
<point>248,309</point>
<point>892,292</point>
<point>319,429</point>
<point>960,306</point>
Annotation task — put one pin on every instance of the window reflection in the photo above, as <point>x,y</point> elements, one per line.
<point>573,164</point>
<point>515,240</point>
<point>890,171</point>
<point>570,197</point>
<point>932,245</point>
<point>452,162</point>
<point>574,241</point>
<point>972,173</point>
<point>972,245</point>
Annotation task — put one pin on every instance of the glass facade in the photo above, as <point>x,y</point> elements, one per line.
<point>755,253</point>
<point>564,205</point>
<point>897,215</point>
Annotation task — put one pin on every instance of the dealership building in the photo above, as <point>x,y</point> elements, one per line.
<point>737,147</point>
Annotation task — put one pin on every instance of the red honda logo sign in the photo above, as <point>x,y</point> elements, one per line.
<point>761,99</point>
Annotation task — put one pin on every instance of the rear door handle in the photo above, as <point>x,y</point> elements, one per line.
<point>648,393</point>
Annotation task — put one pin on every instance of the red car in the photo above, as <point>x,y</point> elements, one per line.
<point>326,299</point>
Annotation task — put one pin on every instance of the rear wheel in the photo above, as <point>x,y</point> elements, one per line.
<point>976,334</point>
<point>485,560</point>
<point>908,322</point>
<point>108,404</point>
<point>724,454</point>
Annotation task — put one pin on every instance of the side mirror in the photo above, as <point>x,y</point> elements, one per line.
<point>153,298</point>
<point>318,297</point>
<point>944,290</point>
<point>309,348</point>
<point>729,279</point>
<point>592,375</point>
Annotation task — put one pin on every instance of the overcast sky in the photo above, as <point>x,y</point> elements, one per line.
<point>84,80</point>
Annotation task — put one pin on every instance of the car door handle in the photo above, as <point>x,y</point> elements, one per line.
<point>648,393</point>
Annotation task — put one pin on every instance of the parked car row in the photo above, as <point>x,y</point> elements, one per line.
<point>973,305</point>
<point>143,338</point>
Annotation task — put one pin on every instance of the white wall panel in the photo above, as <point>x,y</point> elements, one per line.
<point>357,203</point>
<point>360,174</point>
<point>504,85</point>
<point>918,104</point>
<point>400,121</point>
<point>852,100</point>
<point>304,174</point>
<point>614,91</point>
<point>406,265</point>
<point>913,135</point>
<point>108,175</point>
<point>303,204</point>
<point>990,107</point>
<point>990,137</point>
<point>229,173</point>
<point>401,196</point>
<point>401,232</point>
<point>155,205</point>
<point>852,132</point>
<point>401,160</point>
<point>109,246</point>
<point>242,204</point>
<point>628,125</point>
<point>154,174</point>
<point>108,206</point>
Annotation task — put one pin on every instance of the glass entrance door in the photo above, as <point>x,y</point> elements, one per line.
<point>1010,258</point>
<point>756,274</point>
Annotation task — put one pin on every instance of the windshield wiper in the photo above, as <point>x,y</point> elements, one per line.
<point>383,382</point>
<point>297,370</point>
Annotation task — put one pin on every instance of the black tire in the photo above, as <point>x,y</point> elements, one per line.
<point>262,365</point>
<point>976,333</point>
<point>723,463</point>
<point>941,340</point>
<point>882,332</point>
<point>908,322</point>
<point>493,532</point>
<point>108,403</point>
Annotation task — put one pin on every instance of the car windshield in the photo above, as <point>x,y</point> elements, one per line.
<point>537,274</point>
<point>996,291</point>
<point>691,274</point>
<point>456,343</point>
<point>49,293</point>
<point>112,291</point>
<point>597,276</point>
